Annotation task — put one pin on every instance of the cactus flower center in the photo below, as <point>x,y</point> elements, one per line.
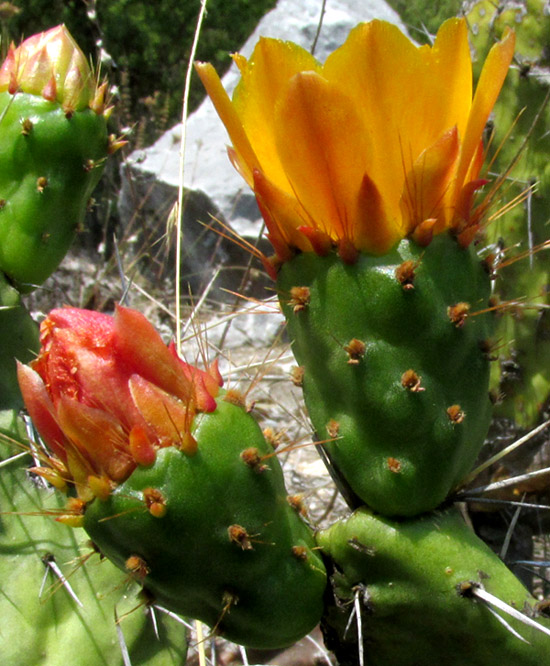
<point>382,142</point>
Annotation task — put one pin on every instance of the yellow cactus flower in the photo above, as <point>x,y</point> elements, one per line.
<point>381,142</point>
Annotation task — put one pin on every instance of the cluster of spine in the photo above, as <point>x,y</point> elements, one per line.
<point>520,138</point>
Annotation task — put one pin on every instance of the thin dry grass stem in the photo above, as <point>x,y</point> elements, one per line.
<point>470,493</point>
<point>545,245</point>
<point>510,530</point>
<point>199,333</point>
<point>258,364</point>
<point>502,143</point>
<point>507,450</point>
<point>319,27</point>
<point>164,308</point>
<point>184,112</point>
<point>505,502</point>
<point>234,237</point>
<point>124,281</point>
<point>197,308</point>
<point>487,201</point>
<point>266,365</point>
<point>200,643</point>
<point>329,506</point>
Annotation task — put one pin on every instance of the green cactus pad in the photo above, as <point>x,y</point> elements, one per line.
<point>19,336</point>
<point>49,165</point>
<point>414,581</point>
<point>395,366</point>
<point>52,629</point>
<point>228,548</point>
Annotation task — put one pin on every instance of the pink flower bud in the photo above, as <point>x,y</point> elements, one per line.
<point>51,65</point>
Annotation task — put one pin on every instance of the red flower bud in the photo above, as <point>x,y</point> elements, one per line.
<point>106,392</point>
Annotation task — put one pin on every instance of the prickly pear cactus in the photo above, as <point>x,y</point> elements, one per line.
<point>172,478</point>
<point>41,622</point>
<point>214,536</point>
<point>524,378</point>
<point>395,370</point>
<point>420,588</point>
<point>53,144</point>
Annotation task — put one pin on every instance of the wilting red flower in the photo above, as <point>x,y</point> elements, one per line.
<point>51,65</point>
<point>105,393</point>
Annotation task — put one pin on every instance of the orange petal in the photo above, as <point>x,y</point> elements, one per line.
<point>283,217</point>
<point>168,417</point>
<point>226,111</point>
<point>488,88</point>
<point>322,144</point>
<point>427,184</point>
<point>373,228</point>
<point>41,409</point>
<point>98,436</point>
<point>141,447</point>
<point>141,346</point>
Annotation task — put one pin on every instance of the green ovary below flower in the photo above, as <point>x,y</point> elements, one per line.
<point>381,142</point>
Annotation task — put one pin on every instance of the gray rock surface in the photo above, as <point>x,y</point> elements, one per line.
<point>150,176</point>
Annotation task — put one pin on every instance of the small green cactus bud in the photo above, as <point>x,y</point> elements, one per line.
<point>54,142</point>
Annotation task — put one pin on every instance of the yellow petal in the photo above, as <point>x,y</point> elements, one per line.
<point>488,87</point>
<point>428,183</point>
<point>211,81</point>
<point>323,145</point>
<point>264,81</point>
<point>450,100</point>
<point>408,96</point>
